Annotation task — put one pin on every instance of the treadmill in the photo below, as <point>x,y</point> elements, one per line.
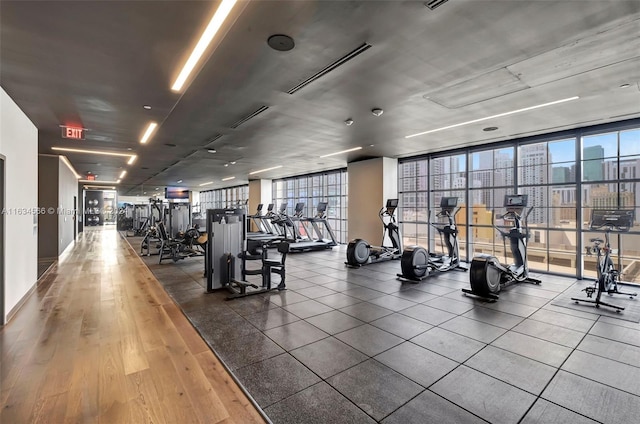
<point>320,243</point>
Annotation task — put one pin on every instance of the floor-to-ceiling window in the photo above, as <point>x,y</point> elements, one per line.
<point>547,175</point>
<point>330,187</point>
<point>229,197</point>
<point>491,177</point>
<point>565,176</point>
<point>611,179</point>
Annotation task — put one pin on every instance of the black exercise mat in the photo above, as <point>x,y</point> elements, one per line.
<point>630,313</point>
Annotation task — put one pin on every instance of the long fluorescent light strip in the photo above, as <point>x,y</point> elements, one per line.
<point>95,186</point>
<point>99,182</point>
<point>71,168</point>
<point>500,115</point>
<point>214,25</point>
<point>341,152</point>
<point>228,178</point>
<point>122,174</point>
<point>207,183</point>
<point>132,159</point>
<point>265,170</point>
<point>93,152</point>
<point>147,134</point>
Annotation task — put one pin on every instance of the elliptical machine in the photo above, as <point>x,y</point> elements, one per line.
<point>607,274</point>
<point>359,252</point>
<point>417,263</point>
<point>488,276</point>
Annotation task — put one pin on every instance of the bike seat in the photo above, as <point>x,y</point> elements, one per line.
<point>596,240</point>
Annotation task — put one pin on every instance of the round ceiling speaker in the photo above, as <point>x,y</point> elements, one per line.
<point>281,42</point>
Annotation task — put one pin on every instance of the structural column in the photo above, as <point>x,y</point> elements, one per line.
<point>260,191</point>
<point>371,183</point>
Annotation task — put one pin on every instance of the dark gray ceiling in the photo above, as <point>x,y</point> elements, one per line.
<point>96,64</point>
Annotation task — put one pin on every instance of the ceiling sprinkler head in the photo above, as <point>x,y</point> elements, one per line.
<point>377,111</point>
<point>349,122</point>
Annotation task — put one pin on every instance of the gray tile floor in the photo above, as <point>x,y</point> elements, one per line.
<point>346,345</point>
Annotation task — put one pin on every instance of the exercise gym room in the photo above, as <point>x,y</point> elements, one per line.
<point>320,211</point>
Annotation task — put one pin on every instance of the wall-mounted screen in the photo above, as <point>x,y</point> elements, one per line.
<point>176,193</point>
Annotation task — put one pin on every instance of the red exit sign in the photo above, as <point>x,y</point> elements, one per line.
<point>73,132</point>
<point>91,177</point>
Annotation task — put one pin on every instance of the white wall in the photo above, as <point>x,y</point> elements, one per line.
<point>19,144</point>
<point>67,189</point>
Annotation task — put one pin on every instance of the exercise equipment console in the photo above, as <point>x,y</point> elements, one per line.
<point>417,263</point>
<point>487,275</point>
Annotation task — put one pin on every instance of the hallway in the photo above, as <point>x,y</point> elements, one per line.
<point>101,342</point>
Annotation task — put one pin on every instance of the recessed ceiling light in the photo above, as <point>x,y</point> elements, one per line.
<point>226,164</point>
<point>228,178</point>
<point>212,151</point>
<point>494,116</point>
<point>265,170</point>
<point>207,183</point>
<point>157,188</point>
<point>147,134</point>
<point>233,163</point>
<point>179,181</point>
<point>147,107</point>
<point>129,148</point>
<point>340,152</point>
<point>490,129</point>
<point>212,28</point>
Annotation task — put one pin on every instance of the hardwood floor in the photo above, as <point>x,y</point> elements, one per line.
<point>101,342</point>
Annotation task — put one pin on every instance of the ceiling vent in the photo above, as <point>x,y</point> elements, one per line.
<point>435,3</point>
<point>250,116</point>
<point>324,71</point>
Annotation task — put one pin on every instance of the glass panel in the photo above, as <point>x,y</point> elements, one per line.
<point>593,170</point>
<point>562,151</point>
<point>630,143</point>
<point>629,168</point>
<point>537,255</point>
<point>562,251</point>
<point>630,256</point>
<point>563,173</point>
<point>600,146</point>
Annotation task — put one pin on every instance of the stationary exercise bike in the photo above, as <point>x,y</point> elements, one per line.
<point>487,275</point>
<point>417,263</point>
<point>607,275</point>
<point>359,252</point>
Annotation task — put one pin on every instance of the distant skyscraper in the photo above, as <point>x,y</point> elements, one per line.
<point>561,174</point>
<point>592,167</point>
<point>532,171</point>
